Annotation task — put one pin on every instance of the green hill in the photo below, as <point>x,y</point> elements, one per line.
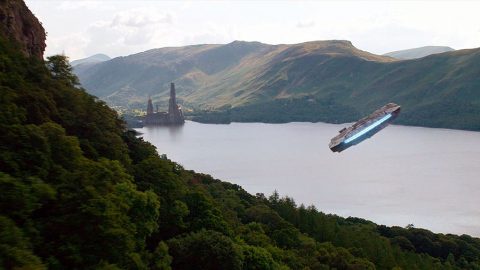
<point>207,75</point>
<point>79,191</point>
<point>240,80</point>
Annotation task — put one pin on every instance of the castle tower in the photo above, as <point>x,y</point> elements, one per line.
<point>175,114</point>
<point>172,104</point>
<point>149,107</point>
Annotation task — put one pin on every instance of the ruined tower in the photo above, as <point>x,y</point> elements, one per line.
<point>149,106</point>
<point>174,112</point>
<point>174,116</point>
<point>172,103</point>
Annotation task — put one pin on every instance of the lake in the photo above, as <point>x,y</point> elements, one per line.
<point>423,176</point>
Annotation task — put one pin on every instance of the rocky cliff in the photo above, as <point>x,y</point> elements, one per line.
<point>18,22</point>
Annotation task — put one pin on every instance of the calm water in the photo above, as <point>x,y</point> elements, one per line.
<point>428,177</point>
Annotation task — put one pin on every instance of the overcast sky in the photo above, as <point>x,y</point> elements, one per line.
<point>82,28</point>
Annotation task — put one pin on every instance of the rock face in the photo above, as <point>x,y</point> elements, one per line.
<point>18,23</point>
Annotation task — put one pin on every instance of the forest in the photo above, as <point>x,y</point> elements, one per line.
<point>80,191</point>
<point>310,109</point>
<point>305,109</point>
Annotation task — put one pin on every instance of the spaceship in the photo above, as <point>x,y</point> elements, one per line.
<point>364,128</point>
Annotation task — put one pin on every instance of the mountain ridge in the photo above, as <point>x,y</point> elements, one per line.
<point>419,52</point>
<point>96,58</point>
<point>206,63</point>
<point>336,78</point>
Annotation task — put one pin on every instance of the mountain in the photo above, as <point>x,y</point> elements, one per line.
<point>418,52</point>
<point>96,58</point>
<point>212,75</point>
<point>329,81</point>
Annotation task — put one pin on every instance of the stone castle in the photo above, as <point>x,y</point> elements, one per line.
<point>174,116</point>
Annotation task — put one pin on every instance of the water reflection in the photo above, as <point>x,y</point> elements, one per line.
<point>175,132</point>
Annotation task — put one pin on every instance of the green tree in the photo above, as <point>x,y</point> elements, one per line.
<point>62,70</point>
<point>161,259</point>
<point>205,249</point>
<point>203,214</point>
<point>257,258</point>
<point>15,249</point>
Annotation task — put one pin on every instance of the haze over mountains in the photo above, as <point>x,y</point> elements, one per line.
<point>96,58</point>
<point>328,81</point>
<point>418,52</point>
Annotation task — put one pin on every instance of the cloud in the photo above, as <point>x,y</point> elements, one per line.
<point>206,38</point>
<point>211,34</point>
<point>131,31</point>
<point>72,45</point>
<point>141,18</point>
<point>390,37</point>
<point>82,28</point>
<point>305,24</point>
<point>73,5</point>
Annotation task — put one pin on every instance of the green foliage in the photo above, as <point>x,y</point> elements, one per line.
<point>254,234</point>
<point>257,258</point>
<point>450,248</point>
<point>208,249</point>
<point>20,197</point>
<point>386,247</point>
<point>161,259</point>
<point>204,214</point>
<point>15,250</point>
<point>153,173</point>
<point>306,109</point>
<point>61,70</point>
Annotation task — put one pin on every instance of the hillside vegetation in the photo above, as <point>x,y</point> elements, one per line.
<point>329,81</point>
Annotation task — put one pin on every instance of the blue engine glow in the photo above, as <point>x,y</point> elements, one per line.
<point>372,126</point>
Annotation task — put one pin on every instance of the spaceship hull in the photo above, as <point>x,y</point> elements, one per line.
<point>365,128</point>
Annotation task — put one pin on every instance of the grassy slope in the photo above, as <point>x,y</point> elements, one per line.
<point>207,74</point>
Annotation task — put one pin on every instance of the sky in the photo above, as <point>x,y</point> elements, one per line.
<point>118,28</point>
